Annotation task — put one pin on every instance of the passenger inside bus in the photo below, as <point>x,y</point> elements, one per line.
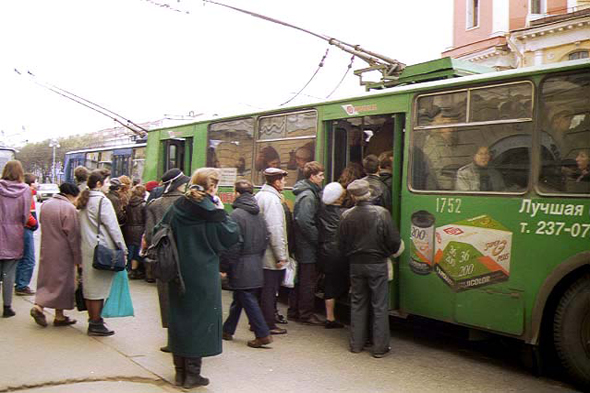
<point>478,175</point>
<point>578,176</point>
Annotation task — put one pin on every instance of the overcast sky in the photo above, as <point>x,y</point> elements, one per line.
<point>144,61</point>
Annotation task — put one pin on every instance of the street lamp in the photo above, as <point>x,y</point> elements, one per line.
<point>53,144</point>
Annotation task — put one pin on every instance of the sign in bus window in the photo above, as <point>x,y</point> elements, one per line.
<point>505,102</point>
<point>447,108</point>
<point>565,135</point>
<point>230,146</point>
<point>485,158</point>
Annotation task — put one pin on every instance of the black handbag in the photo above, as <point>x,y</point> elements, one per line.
<point>104,258</point>
<point>79,294</point>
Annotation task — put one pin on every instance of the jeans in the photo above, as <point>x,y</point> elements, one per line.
<point>248,300</point>
<point>26,265</point>
<point>7,272</point>
<point>369,291</point>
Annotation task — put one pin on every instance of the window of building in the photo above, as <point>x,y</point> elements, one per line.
<point>565,136</point>
<point>581,54</point>
<point>285,141</point>
<point>537,6</point>
<point>473,141</point>
<point>472,13</point>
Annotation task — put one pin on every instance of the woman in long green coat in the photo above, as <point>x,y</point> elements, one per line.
<point>202,229</point>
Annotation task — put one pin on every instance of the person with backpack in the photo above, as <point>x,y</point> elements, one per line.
<point>201,229</point>
<point>243,264</point>
<point>176,181</point>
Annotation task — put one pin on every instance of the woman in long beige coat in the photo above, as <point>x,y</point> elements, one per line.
<point>97,283</point>
<point>60,253</point>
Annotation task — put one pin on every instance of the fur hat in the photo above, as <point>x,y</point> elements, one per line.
<point>332,192</point>
<point>359,188</point>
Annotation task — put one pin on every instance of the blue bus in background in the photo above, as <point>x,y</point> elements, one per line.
<point>6,154</point>
<point>120,160</point>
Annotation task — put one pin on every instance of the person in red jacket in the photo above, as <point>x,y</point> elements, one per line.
<point>26,265</point>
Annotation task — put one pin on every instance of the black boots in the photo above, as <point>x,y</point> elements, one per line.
<point>180,372</point>
<point>8,312</point>
<point>98,328</point>
<point>188,372</point>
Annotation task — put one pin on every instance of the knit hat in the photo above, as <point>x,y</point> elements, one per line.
<point>332,192</point>
<point>359,188</point>
<point>150,185</point>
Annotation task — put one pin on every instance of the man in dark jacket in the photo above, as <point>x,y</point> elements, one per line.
<point>386,168</point>
<point>307,203</point>
<point>380,194</point>
<point>367,236</point>
<point>243,264</point>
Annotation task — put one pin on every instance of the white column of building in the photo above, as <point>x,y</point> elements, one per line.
<point>500,17</point>
<point>571,4</point>
<point>539,57</point>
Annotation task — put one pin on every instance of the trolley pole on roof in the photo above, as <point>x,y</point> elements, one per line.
<point>53,144</point>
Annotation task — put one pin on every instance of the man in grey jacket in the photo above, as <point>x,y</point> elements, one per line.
<point>307,203</point>
<point>276,255</point>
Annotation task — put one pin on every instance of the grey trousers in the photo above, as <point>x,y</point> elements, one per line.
<point>7,276</point>
<point>369,289</point>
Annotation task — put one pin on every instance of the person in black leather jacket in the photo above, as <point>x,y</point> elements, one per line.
<point>367,236</point>
<point>380,193</point>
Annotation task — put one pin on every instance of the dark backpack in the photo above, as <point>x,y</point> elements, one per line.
<point>162,255</point>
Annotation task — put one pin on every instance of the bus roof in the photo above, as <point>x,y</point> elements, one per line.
<point>408,88</point>
<point>107,148</point>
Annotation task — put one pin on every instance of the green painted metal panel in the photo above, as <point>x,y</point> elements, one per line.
<point>491,310</point>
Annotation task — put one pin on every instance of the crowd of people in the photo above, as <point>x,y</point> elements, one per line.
<point>342,231</point>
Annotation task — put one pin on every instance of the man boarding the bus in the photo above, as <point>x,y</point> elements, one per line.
<point>367,236</point>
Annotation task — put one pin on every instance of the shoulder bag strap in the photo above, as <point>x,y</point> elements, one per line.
<point>98,218</point>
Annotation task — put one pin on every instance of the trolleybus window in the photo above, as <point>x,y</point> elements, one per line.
<point>230,146</point>
<point>285,141</point>
<point>565,136</point>
<point>138,163</point>
<point>485,151</point>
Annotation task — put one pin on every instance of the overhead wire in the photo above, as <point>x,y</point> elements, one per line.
<point>309,81</point>
<point>136,128</point>
<point>343,76</point>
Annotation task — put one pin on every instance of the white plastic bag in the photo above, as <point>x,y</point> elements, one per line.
<point>290,273</point>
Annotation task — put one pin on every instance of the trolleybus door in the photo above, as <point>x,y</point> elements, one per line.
<point>349,140</point>
<point>174,154</point>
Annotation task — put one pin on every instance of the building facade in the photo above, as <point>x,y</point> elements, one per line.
<point>507,34</point>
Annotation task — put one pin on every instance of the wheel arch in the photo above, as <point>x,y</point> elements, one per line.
<point>552,289</point>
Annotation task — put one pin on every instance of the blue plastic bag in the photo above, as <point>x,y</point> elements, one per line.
<point>119,302</point>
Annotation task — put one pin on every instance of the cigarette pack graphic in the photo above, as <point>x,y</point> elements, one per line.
<point>472,253</point>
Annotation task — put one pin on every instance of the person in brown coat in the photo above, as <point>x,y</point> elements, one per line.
<point>60,253</point>
<point>133,230</point>
<point>174,185</point>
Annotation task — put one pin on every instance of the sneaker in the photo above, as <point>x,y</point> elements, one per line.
<point>259,342</point>
<point>26,291</point>
<point>333,325</point>
<point>278,330</point>
<point>279,318</point>
<point>99,329</point>
<point>380,355</point>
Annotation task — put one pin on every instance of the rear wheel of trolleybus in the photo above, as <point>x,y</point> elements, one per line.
<point>571,330</point>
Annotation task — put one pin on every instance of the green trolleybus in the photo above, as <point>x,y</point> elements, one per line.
<point>491,188</point>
